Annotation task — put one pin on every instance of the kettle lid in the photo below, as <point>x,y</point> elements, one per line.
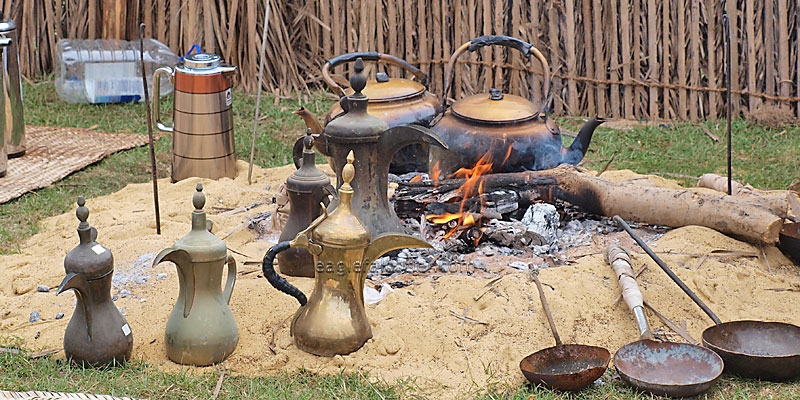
<point>388,90</point>
<point>89,258</point>
<point>202,245</point>
<point>495,108</point>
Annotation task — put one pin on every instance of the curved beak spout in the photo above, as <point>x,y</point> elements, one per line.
<point>574,154</point>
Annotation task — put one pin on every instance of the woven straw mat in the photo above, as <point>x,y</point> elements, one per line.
<point>54,152</point>
<point>56,396</point>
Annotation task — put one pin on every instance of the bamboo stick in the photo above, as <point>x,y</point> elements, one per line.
<point>625,37</point>
<point>733,69</point>
<point>768,31</point>
<point>588,56</point>
<point>711,56</point>
<point>783,49</point>
<point>653,60</point>
<point>750,39</point>
<point>599,59</point>
<point>666,60</point>
<point>612,33</point>
<point>638,99</point>
<point>694,58</point>
<point>572,69</point>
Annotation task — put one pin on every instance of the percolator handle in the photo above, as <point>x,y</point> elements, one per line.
<point>231,279</point>
<point>277,281</point>
<point>157,95</point>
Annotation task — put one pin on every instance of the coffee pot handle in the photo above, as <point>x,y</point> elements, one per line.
<point>157,95</point>
<point>277,281</point>
<point>231,279</point>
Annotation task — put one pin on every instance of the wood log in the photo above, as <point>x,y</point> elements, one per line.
<point>733,215</point>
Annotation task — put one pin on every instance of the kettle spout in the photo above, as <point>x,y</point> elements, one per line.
<point>403,135</point>
<point>392,241</point>
<point>79,283</point>
<point>575,152</point>
<point>309,119</point>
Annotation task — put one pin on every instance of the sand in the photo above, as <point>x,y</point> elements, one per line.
<point>418,332</point>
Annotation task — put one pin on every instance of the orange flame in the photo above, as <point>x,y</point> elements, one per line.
<point>435,172</point>
<point>472,186</point>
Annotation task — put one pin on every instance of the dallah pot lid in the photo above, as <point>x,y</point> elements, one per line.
<point>494,108</point>
<point>89,258</point>
<point>387,90</point>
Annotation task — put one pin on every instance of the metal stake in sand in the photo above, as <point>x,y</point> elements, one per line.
<point>149,128</point>
<point>258,93</point>
<point>726,26</point>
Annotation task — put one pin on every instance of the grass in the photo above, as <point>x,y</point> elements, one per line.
<point>763,157</point>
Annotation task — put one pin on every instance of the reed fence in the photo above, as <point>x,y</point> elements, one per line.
<point>644,59</point>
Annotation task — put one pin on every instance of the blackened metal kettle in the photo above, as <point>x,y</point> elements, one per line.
<point>201,329</point>
<point>97,333</point>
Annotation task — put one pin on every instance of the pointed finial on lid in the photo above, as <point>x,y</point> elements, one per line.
<point>199,199</point>
<point>308,141</point>
<point>348,171</point>
<point>82,213</point>
<point>358,81</point>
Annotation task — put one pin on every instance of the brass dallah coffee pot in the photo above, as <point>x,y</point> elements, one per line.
<point>201,329</point>
<point>307,187</point>
<point>374,144</point>
<point>97,334</point>
<point>334,321</point>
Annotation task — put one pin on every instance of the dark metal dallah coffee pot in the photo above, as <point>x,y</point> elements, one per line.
<point>97,334</point>
<point>307,188</point>
<point>374,144</point>
<point>334,321</point>
<point>201,329</point>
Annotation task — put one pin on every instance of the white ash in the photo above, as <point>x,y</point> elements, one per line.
<point>161,276</point>
<point>42,288</point>
<point>34,316</point>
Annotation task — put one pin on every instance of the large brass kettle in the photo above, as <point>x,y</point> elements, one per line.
<point>333,320</point>
<point>397,101</point>
<point>515,132</point>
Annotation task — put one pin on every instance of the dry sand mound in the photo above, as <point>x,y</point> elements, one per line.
<point>417,330</point>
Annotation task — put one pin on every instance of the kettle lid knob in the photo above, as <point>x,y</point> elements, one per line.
<point>358,81</point>
<point>82,213</point>
<point>199,199</point>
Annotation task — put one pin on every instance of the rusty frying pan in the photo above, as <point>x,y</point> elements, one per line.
<point>564,366</point>
<point>751,349</point>
<point>661,368</point>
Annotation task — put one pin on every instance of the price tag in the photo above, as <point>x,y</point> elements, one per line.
<point>98,249</point>
<point>126,329</point>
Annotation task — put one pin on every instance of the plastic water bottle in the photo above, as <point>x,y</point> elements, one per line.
<point>108,71</point>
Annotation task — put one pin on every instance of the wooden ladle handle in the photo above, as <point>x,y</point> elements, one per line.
<point>535,277</point>
<point>620,261</point>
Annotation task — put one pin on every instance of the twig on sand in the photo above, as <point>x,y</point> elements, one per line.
<point>219,385</point>
<point>464,317</point>
<point>272,340</point>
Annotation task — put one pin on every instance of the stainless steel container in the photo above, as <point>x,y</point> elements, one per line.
<point>14,124</point>
<point>202,131</point>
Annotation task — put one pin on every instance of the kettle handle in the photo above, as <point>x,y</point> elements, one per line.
<point>277,281</point>
<point>368,56</point>
<point>226,294</point>
<point>526,48</point>
<point>157,95</point>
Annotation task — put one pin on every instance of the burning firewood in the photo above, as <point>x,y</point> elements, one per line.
<point>741,216</point>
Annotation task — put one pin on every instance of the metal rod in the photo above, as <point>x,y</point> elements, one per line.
<point>666,269</point>
<point>258,92</point>
<point>726,26</point>
<point>149,129</point>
